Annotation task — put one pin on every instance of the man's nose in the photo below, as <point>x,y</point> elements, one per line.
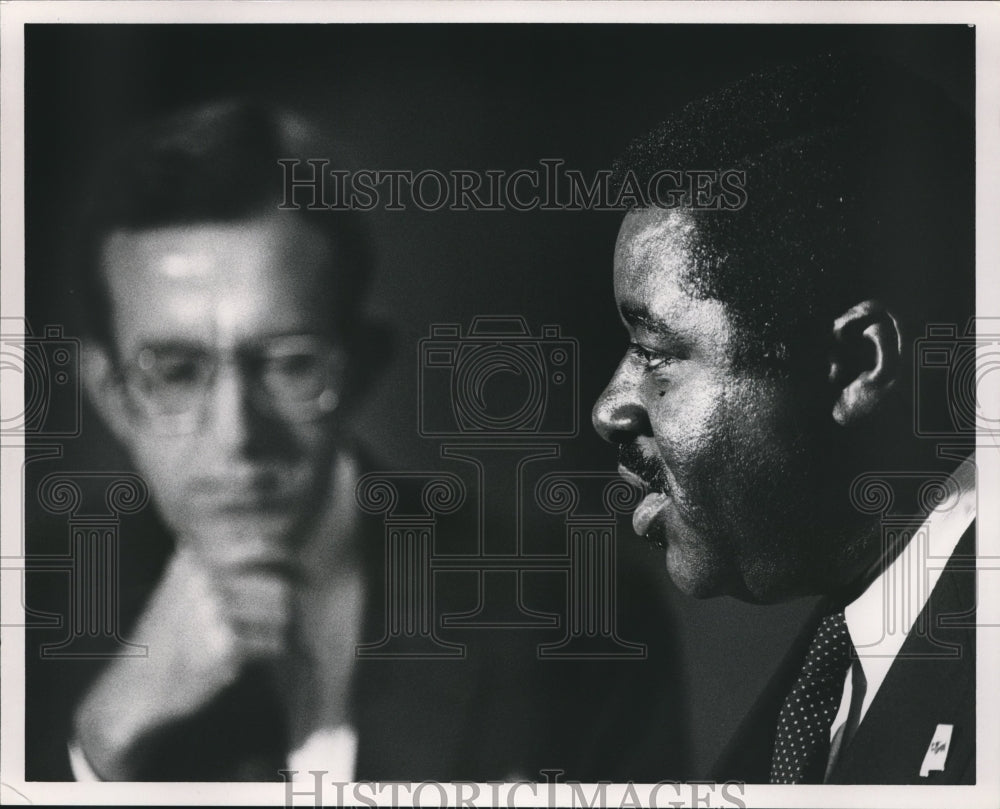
<point>234,420</point>
<point>618,414</point>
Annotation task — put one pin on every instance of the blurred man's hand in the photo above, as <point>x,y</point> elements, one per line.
<point>201,627</point>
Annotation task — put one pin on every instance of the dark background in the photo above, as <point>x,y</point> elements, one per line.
<point>448,97</point>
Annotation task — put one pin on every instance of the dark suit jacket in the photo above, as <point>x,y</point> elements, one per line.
<point>931,682</point>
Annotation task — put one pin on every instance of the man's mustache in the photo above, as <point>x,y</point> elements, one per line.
<point>649,469</point>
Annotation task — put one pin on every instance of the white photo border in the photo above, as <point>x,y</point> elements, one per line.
<point>13,17</point>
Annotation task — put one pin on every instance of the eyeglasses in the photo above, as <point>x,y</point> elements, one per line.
<point>293,377</point>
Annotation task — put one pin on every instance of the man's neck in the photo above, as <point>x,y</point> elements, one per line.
<point>880,547</point>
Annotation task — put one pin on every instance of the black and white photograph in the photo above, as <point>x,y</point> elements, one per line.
<point>526,404</point>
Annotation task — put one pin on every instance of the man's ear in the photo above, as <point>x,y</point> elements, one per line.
<point>865,360</point>
<point>104,388</point>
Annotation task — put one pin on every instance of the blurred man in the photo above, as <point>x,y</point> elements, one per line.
<point>226,348</point>
<point>227,344</point>
<point>770,364</point>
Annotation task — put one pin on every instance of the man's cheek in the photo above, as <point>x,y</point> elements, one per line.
<point>686,445</point>
<point>309,447</point>
<point>166,470</point>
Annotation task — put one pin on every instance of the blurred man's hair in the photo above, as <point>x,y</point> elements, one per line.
<point>215,163</point>
<point>859,184</point>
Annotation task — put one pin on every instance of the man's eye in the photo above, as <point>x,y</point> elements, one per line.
<point>174,370</point>
<point>179,371</point>
<point>295,365</point>
<point>295,376</point>
<point>652,359</point>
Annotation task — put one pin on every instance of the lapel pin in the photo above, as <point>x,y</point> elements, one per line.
<point>937,751</point>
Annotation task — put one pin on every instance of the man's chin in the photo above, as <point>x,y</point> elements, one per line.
<point>693,579</point>
<point>694,567</point>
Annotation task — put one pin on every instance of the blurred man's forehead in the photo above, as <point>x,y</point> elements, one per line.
<point>192,253</point>
<point>243,279</point>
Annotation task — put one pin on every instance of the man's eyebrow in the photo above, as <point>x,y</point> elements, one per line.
<point>638,315</point>
<point>169,342</point>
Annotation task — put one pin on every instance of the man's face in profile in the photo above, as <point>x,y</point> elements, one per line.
<point>722,450</point>
<point>230,378</point>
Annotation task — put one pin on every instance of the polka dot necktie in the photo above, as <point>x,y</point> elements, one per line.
<point>802,745</point>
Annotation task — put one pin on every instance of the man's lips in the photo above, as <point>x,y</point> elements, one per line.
<point>251,503</point>
<point>651,504</point>
<point>632,477</point>
<point>238,495</point>
<point>647,510</point>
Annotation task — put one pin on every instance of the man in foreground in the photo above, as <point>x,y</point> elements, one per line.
<point>771,365</point>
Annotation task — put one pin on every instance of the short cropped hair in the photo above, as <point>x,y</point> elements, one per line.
<point>213,163</point>
<point>859,184</point>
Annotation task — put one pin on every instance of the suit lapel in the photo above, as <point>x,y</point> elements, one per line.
<point>927,685</point>
<point>931,683</point>
<point>747,757</point>
<point>241,736</point>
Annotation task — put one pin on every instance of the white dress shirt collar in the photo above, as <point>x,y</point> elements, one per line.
<point>880,619</point>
